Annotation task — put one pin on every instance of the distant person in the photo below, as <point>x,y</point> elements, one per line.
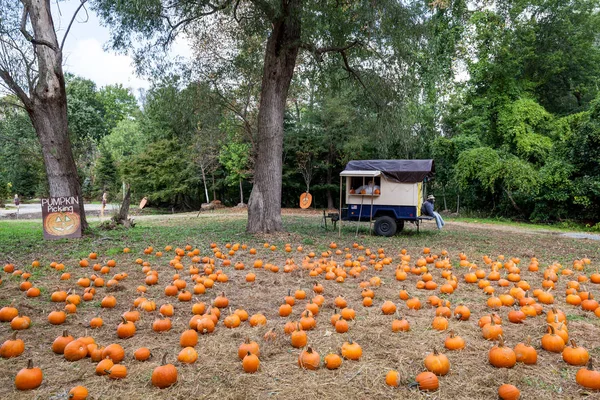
<point>104,200</point>
<point>17,203</point>
<point>369,188</point>
<point>427,209</point>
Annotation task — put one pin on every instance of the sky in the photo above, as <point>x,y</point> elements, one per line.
<point>84,53</point>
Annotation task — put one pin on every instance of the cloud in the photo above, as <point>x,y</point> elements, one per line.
<point>88,59</point>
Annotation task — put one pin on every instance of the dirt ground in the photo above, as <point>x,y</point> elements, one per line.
<point>217,374</point>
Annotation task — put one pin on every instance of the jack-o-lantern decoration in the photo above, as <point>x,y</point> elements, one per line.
<point>61,224</point>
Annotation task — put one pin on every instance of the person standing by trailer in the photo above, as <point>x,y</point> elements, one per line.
<point>17,204</point>
<point>427,209</point>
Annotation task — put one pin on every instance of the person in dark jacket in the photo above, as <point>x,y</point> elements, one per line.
<point>427,209</point>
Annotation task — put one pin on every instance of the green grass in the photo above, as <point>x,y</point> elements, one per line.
<point>22,240</point>
<point>568,226</point>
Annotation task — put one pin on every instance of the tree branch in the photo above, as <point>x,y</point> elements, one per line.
<point>235,7</point>
<point>11,104</point>
<point>350,70</point>
<point>319,51</point>
<point>213,10</point>
<point>27,35</point>
<point>16,89</point>
<point>62,44</point>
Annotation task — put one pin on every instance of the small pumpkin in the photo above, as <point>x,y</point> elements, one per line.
<point>491,331</point>
<point>351,350</point>
<point>501,356</point>
<point>332,361</point>
<point>552,342</point>
<point>19,323</point>
<point>250,363</point>
<point>78,393</point>
<point>575,355</point>
<point>75,350</point>
<point>248,346</point>
<point>508,392</point>
<point>309,359</point>
<point>400,325</point>
<point>392,378</point>
<point>29,378</point>
<point>462,312</point>
<point>298,338</point>
<point>58,346</point>
<point>12,347</point>
<point>117,371</point>
<point>142,354</point>
<point>188,338</point>
<point>525,353</point>
<point>221,301</point>
<point>164,375</point>
<point>454,342</point>
<point>187,355</point>
<point>588,377</point>
<point>7,313</point>
<point>427,381</point>
<point>388,307</point>
<point>115,352</point>
<point>125,329</point>
<point>437,363</point>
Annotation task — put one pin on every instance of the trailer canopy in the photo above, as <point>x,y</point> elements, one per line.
<point>360,173</point>
<point>401,171</point>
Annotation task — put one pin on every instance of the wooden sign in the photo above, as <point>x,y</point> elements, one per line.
<point>305,200</point>
<point>61,218</point>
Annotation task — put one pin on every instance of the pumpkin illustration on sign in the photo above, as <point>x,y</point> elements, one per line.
<point>61,224</point>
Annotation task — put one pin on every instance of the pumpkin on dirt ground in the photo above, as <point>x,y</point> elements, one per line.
<point>588,377</point>
<point>165,375</point>
<point>29,378</point>
<point>509,392</point>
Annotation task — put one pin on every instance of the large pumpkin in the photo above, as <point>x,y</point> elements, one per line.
<point>61,224</point>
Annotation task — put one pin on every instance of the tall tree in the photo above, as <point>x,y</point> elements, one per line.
<point>339,28</point>
<point>31,68</point>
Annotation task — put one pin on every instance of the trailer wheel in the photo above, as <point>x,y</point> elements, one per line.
<point>385,226</point>
<point>400,226</point>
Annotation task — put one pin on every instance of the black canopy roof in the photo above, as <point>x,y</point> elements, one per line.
<point>401,171</point>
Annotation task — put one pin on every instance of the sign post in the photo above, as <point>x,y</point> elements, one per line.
<point>61,217</point>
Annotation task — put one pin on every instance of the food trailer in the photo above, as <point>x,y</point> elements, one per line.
<point>394,196</point>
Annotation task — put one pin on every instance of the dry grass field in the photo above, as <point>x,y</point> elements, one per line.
<point>218,373</point>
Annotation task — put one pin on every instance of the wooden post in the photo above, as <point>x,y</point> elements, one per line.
<point>371,216</point>
<point>340,210</point>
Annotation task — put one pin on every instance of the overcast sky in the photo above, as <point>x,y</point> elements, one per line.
<point>84,53</point>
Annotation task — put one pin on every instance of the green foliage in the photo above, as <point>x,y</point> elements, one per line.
<point>125,140</point>
<point>107,177</point>
<point>526,130</point>
<point>235,158</point>
<point>21,163</point>
<point>118,104</point>
<point>162,172</point>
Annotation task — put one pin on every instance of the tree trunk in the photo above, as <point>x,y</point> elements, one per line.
<point>241,192</point>
<point>213,186</point>
<point>444,195</point>
<point>205,187</point>
<point>457,203</point>
<point>264,205</point>
<point>46,103</point>
<point>50,123</point>
<point>123,215</point>
<point>330,204</point>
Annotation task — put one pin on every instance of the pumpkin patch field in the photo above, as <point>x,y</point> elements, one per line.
<point>193,308</point>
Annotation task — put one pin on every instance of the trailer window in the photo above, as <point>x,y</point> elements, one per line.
<point>360,185</point>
